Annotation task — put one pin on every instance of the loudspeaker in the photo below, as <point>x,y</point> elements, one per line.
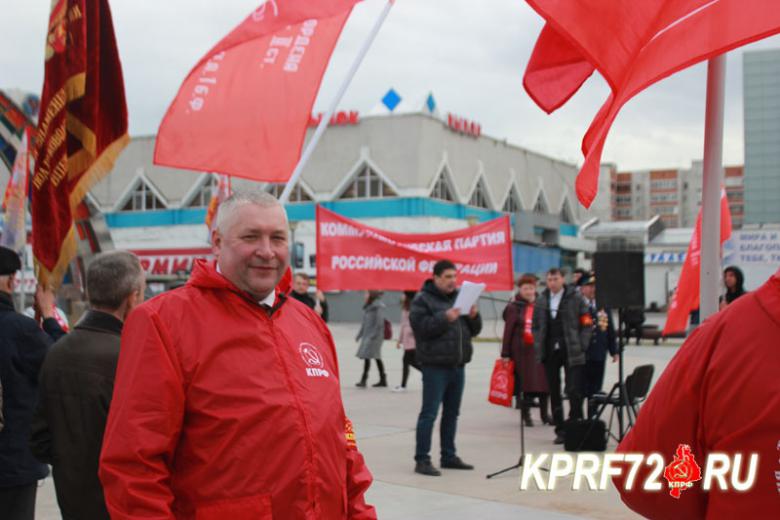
<point>620,278</point>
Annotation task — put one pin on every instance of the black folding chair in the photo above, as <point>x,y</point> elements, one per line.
<point>637,385</point>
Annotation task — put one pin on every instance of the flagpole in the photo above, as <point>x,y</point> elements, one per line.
<point>709,280</point>
<point>312,144</point>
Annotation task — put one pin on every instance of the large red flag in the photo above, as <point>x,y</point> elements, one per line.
<point>633,44</point>
<point>686,296</point>
<point>244,108</point>
<point>82,126</point>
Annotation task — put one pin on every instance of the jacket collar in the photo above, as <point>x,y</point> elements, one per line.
<point>205,276</point>
<point>6,302</point>
<point>101,322</point>
<point>430,287</point>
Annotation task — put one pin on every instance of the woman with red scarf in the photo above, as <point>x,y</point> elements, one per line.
<point>518,344</point>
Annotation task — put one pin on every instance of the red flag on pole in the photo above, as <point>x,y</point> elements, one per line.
<point>82,126</point>
<point>633,45</point>
<point>244,108</point>
<point>686,296</point>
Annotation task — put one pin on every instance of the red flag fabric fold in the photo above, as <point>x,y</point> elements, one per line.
<point>244,108</point>
<point>82,126</point>
<point>632,45</point>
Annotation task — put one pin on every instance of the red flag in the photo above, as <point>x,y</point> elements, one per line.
<point>82,126</point>
<point>686,296</point>
<point>244,108</point>
<point>633,45</point>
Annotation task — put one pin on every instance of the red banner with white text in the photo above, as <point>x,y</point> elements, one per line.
<point>352,256</point>
<point>244,108</point>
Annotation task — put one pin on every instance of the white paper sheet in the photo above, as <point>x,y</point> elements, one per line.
<point>467,296</point>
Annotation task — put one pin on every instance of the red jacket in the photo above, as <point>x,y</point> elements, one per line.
<point>222,411</point>
<point>720,393</point>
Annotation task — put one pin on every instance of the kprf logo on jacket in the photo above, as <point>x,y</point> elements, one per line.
<point>315,364</point>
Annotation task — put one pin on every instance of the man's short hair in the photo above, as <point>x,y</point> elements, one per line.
<point>553,271</point>
<point>441,266</point>
<point>302,275</point>
<point>112,277</point>
<point>239,198</point>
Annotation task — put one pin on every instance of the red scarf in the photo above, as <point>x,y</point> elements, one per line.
<point>528,336</point>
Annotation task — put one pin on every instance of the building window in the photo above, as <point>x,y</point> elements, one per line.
<point>298,194</point>
<point>512,203</point>
<point>203,196</point>
<point>367,185</point>
<point>479,197</point>
<point>540,207</point>
<point>143,199</point>
<point>663,197</point>
<point>443,189</point>
<point>566,216</point>
<point>665,184</point>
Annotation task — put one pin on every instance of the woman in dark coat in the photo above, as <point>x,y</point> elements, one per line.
<point>518,344</point>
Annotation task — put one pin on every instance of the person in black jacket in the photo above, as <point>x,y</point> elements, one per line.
<point>77,383</point>
<point>23,346</point>
<point>443,347</point>
<point>603,340</point>
<point>734,280</point>
<point>562,327</point>
<point>300,291</point>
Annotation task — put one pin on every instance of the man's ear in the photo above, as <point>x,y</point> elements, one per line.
<point>216,240</point>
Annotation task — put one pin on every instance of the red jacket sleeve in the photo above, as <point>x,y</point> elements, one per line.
<point>144,422</point>
<point>358,480</point>
<point>358,476</point>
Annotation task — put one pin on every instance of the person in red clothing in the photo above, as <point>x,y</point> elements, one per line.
<point>720,393</point>
<point>227,402</point>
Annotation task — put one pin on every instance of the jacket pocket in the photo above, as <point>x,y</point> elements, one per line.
<point>257,507</point>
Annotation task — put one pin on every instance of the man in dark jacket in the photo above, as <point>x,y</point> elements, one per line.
<point>562,328</point>
<point>77,382</point>
<point>443,339</point>
<point>300,292</point>
<point>602,340</point>
<point>23,346</point>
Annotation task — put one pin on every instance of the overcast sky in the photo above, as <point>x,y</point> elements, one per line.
<point>472,59</point>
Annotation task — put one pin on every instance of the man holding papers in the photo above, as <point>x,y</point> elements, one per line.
<point>443,335</point>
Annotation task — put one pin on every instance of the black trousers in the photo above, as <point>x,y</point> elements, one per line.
<point>573,386</point>
<point>18,503</point>
<point>409,361</point>
<point>367,366</point>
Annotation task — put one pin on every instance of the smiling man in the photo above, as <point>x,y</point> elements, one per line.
<point>227,402</point>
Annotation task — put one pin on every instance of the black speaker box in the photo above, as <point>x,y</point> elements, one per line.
<point>620,278</point>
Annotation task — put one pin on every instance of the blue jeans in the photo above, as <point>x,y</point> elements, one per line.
<point>441,386</point>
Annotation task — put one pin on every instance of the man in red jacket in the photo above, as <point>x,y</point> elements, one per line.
<point>720,394</point>
<point>227,402</point>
